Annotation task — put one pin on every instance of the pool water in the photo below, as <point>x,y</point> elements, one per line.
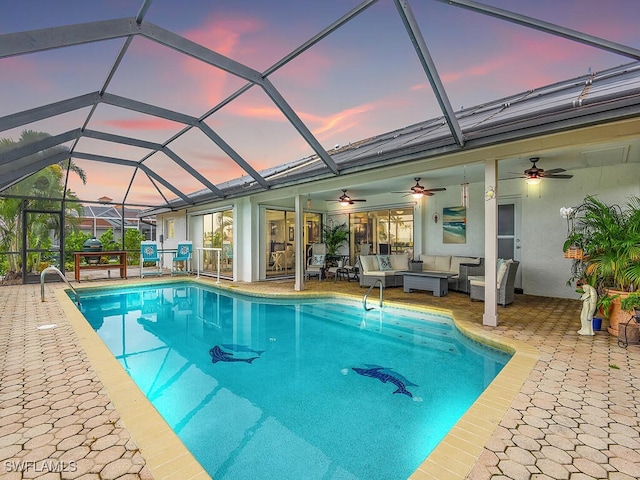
<point>275,389</point>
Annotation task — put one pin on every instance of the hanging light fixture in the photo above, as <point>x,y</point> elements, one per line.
<point>533,180</point>
<point>464,190</point>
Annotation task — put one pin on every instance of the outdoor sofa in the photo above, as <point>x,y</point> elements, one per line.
<point>460,267</point>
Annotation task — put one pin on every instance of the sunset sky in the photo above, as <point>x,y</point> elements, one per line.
<point>363,79</point>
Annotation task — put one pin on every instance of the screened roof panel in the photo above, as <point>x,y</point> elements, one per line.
<point>20,16</point>
<point>354,97</point>
<point>205,156</point>
<point>258,131</point>
<point>171,170</point>
<point>158,75</point>
<point>321,111</point>
<point>52,125</point>
<point>101,178</point>
<point>114,149</point>
<point>145,191</point>
<point>121,121</point>
<point>257,34</point>
<point>484,58</point>
<point>30,81</point>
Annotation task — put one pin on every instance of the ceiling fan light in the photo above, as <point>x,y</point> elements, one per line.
<point>344,203</point>
<point>417,195</point>
<point>533,180</point>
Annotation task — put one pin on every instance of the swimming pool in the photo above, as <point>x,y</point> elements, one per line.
<point>310,389</point>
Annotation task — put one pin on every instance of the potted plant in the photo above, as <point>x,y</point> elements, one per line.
<point>605,304</point>
<point>629,332</point>
<point>609,236</point>
<point>631,303</point>
<point>334,236</point>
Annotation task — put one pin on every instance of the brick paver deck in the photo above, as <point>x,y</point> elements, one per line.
<point>576,415</point>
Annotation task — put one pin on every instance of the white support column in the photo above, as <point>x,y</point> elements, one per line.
<point>490,316</point>
<point>419,222</point>
<point>299,225</point>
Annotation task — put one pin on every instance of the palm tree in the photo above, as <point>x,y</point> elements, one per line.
<point>41,191</point>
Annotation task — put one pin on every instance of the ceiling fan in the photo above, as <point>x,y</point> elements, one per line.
<point>418,190</point>
<point>347,200</point>
<point>534,175</point>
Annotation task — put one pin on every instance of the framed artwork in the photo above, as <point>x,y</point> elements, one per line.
<point>454,225</point>
<point>292,234</point>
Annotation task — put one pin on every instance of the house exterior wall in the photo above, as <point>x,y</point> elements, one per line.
<point>543,268</point>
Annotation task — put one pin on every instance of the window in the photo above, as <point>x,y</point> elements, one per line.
<point>170,228</point>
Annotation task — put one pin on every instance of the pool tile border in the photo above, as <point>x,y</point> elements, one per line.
<point>168,458</point>
<point>165,455</point>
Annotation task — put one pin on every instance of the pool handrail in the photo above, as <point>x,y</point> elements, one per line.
<point>364,299</point>
<point>55,269</point>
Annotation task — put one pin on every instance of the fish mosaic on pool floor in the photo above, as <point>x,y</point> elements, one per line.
<point>219,355</point>
<point>386,375</point>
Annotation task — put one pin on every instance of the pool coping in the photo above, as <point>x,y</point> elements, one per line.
<point>167,457</point>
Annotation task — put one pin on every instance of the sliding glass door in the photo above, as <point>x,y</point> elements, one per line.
<point>381,231</point>
<point>213,230</point>
<point>280,246</point>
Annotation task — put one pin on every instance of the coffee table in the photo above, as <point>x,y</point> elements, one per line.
<point>436,282</point>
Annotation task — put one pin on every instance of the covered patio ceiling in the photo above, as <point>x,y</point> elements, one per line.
<point>256,126</point>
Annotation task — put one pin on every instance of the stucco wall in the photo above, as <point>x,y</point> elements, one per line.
<point>544,270</point>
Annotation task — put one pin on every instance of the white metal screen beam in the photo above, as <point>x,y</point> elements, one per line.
<point>413,30</point>
<point>134,164</point>
<point>45,111</point>
<point>57,37</point>
<point>546,27</point>
<point>12,173</point>
<point>109,137</point>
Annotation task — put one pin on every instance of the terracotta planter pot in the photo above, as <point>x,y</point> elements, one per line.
<point>617,315</point>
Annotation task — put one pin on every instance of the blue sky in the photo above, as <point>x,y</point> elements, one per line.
<point>362,80</point>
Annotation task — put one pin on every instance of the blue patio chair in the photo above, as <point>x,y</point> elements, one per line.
<point>180,264</point>
<point>149,254</point>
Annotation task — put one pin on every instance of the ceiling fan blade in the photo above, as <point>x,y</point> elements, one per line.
<point>553,171</point>
<point>357,200</point>
<point>557,176</point>
<point>441,189</point>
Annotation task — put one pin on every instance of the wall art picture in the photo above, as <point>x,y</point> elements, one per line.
<point>454,225</point>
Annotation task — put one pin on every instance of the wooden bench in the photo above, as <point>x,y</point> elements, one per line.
<point>122,262</point>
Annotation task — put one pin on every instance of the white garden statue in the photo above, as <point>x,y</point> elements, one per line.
<point>589,300</point>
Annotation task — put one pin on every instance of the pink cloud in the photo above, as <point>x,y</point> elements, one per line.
<point>247,40</point>
<point>269,112</point>
<point>25,71</point>
<point>221,35</point>
<point>339,121</point>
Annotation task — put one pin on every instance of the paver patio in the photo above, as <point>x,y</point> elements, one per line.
<point>576,415</point>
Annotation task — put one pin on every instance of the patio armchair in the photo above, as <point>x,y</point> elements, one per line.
<point>505,282</point>
<point>180,261</point>
<point>315,266</point>
<point>149,254</point>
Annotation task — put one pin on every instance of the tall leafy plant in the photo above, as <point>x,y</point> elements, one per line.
<point>609,235</point>
<point>40,191</point>
<point>334,236</point>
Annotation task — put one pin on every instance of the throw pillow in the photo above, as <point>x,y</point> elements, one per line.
<point>384,262</point>
<point>317,260</point>
<point>502,269</point>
